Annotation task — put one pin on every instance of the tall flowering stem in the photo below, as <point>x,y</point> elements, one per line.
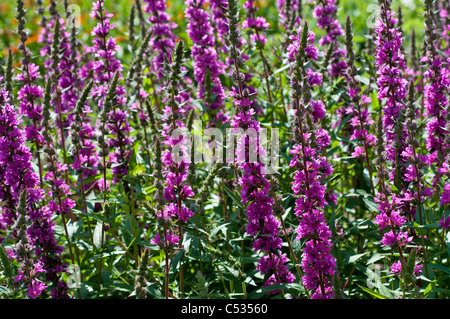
<point>360,121</point>
<point>326,14</point>
<point>174,168</point>
<point>262,224</point>
<point>396,145</point>
<point>106,68</point>
<point>61,203</point>
<point>256,25</point>
<point>219,22</point>
<point>436,100</point>
<point>207,66</point>
<point>390,64</point>
<point>85,155</point>
<point>61,69</point>
<point>163,39</point>
<point>16,171</point>
<point>135,75</point>
<point>29,94</point>
<point>390,206</point>
<point>236,58</point>
<point>312,169</point>
<point>445,22</point>
<point>290,14</point>
<point>19,187</point>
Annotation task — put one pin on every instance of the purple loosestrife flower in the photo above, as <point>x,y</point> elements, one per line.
<point>106,67</point>
<point>63,70</point>
<point>83,134</point>
<point>17,177</point>
<point>390,64</point>
<point>207,66</point>
<point>235,58</point>
<point>360,121</point>
<point>325,13</point>
<point>262,223</point>
<point>444,26</point>
<point>219,21</point>
<point>289,13</point>
<point>390,217</point>
<point>314,78</point>
<point>29,96</point>
<point>174,166</point>
<point>396,141</point>
<point>29,267</point>
<point>257,24</point>
<point>397,209</point>
<point>30,93</point>
<point>16,173</point>
<point>436,91</point>
<point>445,199</point>
<point>412,174</point>
<point>163,39</point>
<point>311,170</point>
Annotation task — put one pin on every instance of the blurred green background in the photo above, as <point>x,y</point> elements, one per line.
<point>361,12</point>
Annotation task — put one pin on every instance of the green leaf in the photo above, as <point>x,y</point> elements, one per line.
<point>4,290</point>
<point>6,265</point>
<point>374,293</point>
<point>97,236</point>
<point>375,258</point>
<point>447,241</point>
<point>133,158</point>
<point>154,292</point>
<point>234,196</point>
<point>420,230</point>
<point>440,267</point>
<point>370,204</point>
<point>354,258</point>
<point>284,286</point>
<point>177,260</point>
<point>281,69</point>
<point>429,288</point>
<point>217,229</point>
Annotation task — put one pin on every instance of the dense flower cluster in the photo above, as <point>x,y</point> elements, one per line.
<point>64,69</point>
<point>219,21</point>
<point>207,66</point>
<point>174,165</point>
<point>15,159</point>
<point>436,90</point>
<point>390,64</point>
<point>311,168</point>
<point>257,24</point>
<point>105,68</point>
<point>360,121</point>
<point>163,39</point>
<point>30,93</point>
<point>17,178</point>
<point>326,14</point>
<point>262,224</point>
<point>289,13</point>
<point>396,143</point>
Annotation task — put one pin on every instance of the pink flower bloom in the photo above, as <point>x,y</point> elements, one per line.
<point>35,289</point>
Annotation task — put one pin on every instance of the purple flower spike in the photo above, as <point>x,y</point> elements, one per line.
<point>106,66</point>
<point>311,169</point>
<point>207,66</point>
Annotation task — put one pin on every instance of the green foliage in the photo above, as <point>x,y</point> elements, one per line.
<point>112,237</point>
